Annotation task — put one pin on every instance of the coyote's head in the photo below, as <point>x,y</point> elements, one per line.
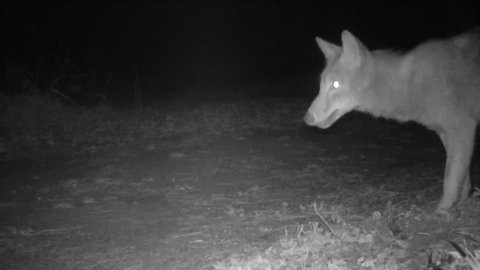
<point>341,81</point>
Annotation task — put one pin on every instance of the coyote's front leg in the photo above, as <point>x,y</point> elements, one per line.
<point>459,143</point>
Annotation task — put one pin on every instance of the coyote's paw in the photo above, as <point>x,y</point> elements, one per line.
<point>446,214</point>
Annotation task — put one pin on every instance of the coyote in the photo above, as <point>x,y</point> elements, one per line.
<point>436,84</point>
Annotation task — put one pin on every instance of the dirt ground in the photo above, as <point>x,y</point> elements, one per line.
<point>190,201</point>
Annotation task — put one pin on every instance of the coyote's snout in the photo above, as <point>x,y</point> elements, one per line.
<point>436,84</point>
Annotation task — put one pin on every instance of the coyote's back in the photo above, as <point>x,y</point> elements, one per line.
<point>436,84</point>
<point>448,71</point>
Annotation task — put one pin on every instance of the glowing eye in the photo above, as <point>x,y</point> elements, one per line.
<point>336,84</point>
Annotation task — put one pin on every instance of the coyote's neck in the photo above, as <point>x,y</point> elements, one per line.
<point>385,95</point>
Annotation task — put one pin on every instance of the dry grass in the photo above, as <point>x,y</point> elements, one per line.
<point>339,240</point>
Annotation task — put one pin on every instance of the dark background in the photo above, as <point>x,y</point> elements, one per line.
<point>182,48</point>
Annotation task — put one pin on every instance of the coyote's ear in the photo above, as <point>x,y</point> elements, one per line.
<point>353,50</point>
<point>330,50</point>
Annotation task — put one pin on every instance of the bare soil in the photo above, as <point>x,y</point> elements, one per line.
<point>191,200</point>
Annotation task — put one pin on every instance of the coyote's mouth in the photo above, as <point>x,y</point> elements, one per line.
<point>331,118</point>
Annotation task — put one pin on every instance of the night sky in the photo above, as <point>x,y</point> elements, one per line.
<point>177,47</point>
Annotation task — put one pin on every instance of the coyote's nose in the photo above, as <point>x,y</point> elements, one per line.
<point>309,119</point>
